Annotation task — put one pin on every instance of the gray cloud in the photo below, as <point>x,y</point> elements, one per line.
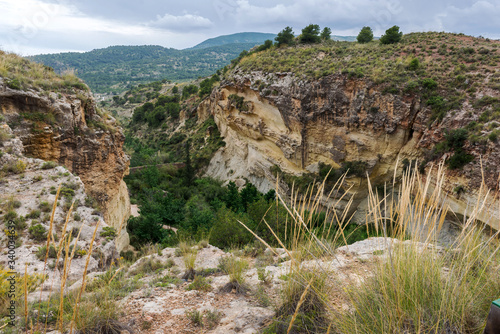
<point>186,22</point>
<point>30,25</point>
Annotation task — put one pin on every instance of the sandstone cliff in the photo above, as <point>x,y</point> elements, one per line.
<point>280,118</point>
<point>68,128</point>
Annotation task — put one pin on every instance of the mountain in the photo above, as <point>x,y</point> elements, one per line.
<point>118,68</point>
<point>242,37</point>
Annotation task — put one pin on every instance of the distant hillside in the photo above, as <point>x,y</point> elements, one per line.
<point>118,68</point>
<point>243,37</point>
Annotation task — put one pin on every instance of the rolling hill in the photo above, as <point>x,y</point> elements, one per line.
<point>117,68</point>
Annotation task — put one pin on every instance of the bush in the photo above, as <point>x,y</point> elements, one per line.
<point>10,215</point>
<point>38,232</point>
<point>108,232</point>
<point>227,232</point>
<point>199,283</point>
<point>15,167</point>
<point>414,64</point>
<point>49,165</point>
<point>391,36</point>
<point>34,214</point>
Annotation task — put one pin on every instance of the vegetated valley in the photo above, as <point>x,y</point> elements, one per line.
<point>278,194</point>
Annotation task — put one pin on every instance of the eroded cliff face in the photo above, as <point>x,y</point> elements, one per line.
<point>295,124</point>
<point>69,130</point>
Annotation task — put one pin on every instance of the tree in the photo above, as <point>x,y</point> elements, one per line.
<point>285,37</point>
<point>310,34</point>
<point>326,34</point>
<point>189,172</point>
<point>391,36</point>
<point>365,35</point>
<point>267,45</point>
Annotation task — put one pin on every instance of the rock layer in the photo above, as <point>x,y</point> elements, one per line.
<point>295,124</point>
<point>69,130</point>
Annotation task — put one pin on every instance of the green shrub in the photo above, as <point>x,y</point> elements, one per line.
<point>414,64</point>
<point>199,283</point>
<point>34,214</point>
<point>45,206</point>
<point>49,165</point>
<point>15,167</point>
<point>38,232</point>
<point>40,254</point>
<point>10,215</point>
<point>429,83</point>
<point>227,232</point>
<point>108,232</point>
<point>459,159</point>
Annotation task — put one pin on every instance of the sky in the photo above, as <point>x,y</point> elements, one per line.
<point>29,27</point>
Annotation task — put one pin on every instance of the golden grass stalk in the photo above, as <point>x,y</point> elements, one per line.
<point>84,282</point>
<point>26,295</point>
<point>299,304</point>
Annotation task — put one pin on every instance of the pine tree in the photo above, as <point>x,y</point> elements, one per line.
<point>285,37</point>
<point>326,34</point>
<point>365,35</point>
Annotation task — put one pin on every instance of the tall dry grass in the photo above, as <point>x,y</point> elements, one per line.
<point>69,312</point>
<point>416,287</point>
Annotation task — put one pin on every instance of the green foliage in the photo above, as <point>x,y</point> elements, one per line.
<point>414,64</point>
<point>238,101</point>
<point>391,36</point>
<point>455,141</point>
<point>199,283</point>
<point>310,34</point>
<point>285,37</point>
<point>207,84</point>
<point>37,232</point>
<point>326,34</point>
<point>49,165</point>
<point>115,68</point>
<point>227,231</point>
<point>267,45</point>
<point>188,91</point>
<point>157,209</point>
<point>365,35</point>
<point>108,232</point>
<point>15,167</point>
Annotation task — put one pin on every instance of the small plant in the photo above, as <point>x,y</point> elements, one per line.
<point>10,215</point>
<point>264,276</point>
<point>40,254</point>
<point>77,217</point>
<point>212,318</point>
<point>199,283</point>
<point>189,261</point>
<point>37,232</point>
<point>235,268</point>
<point>49,165</point>
<point>34,214</point>
<point>15,167</point>
<point>37,178</point>
<point>262,297</point>
<point>196,317</point>
<point>108,232</point>
<point>45,206</point>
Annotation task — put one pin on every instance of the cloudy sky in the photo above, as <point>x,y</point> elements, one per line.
<point>45,26</point>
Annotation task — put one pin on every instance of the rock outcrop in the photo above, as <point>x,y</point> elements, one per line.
<point>294,124</point>
<point>70,130</point>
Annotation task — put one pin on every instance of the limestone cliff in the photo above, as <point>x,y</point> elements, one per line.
<point>296,122</point>
<point>69,129</point>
